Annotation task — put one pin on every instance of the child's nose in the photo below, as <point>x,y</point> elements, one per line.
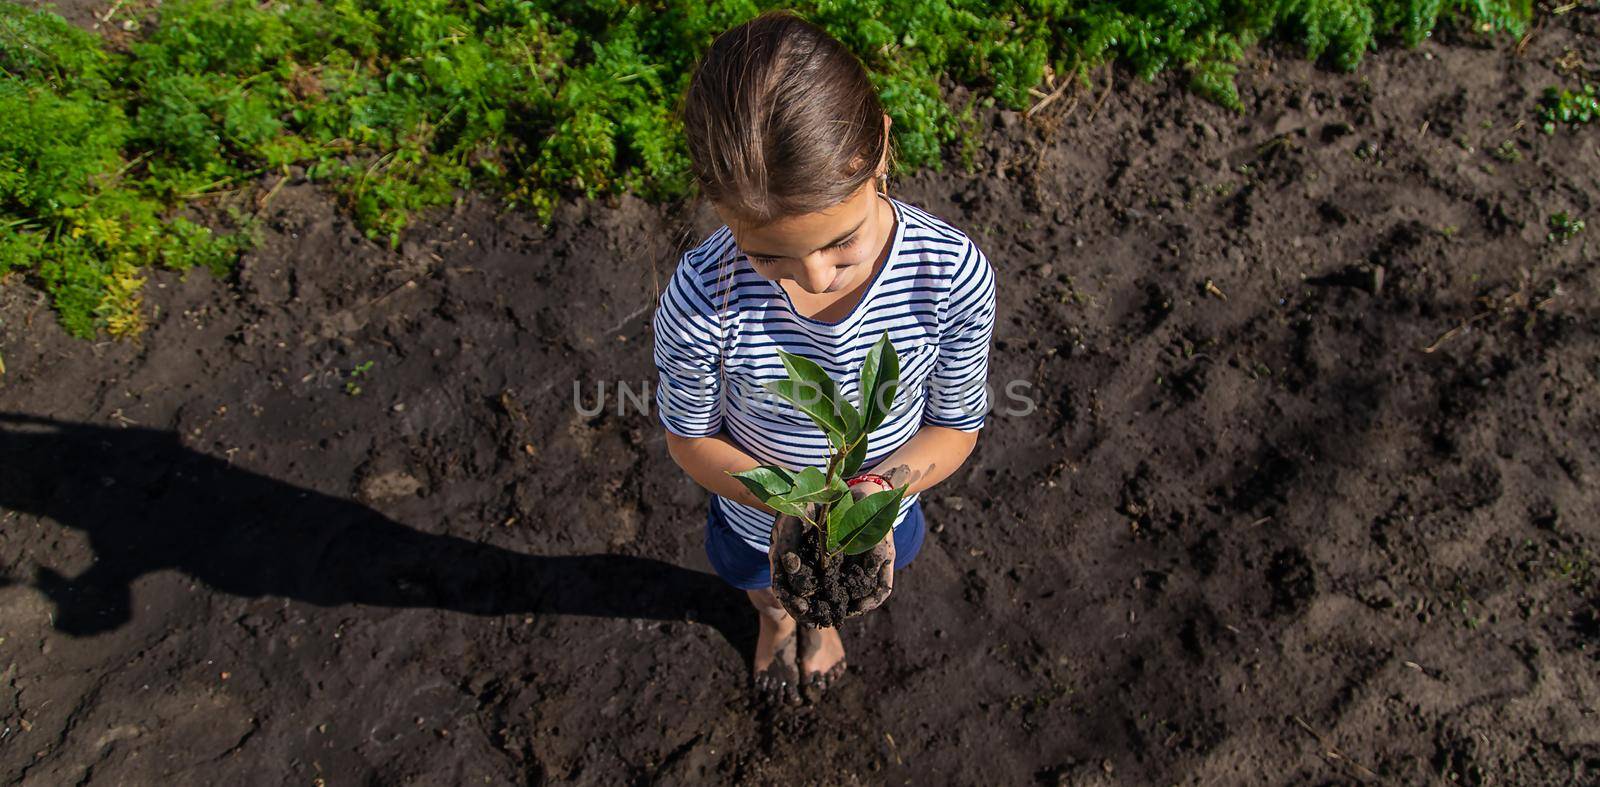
<point>817,273</point>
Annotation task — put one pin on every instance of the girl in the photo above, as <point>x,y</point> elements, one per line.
<point>788,143</point>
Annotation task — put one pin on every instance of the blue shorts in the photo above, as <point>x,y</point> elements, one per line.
<point>746,568</point>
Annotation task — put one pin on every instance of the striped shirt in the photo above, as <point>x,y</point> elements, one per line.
<point>720,324</point>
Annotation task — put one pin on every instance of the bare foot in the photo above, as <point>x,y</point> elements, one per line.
<point>775,674</point>
<point>821,658</point>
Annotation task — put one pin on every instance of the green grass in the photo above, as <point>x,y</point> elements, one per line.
<point>398,104</point>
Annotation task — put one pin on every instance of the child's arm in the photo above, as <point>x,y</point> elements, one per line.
<point>930,456</point>
<point>708,460</point>
<point>957,397</point>
<point>689,335</point>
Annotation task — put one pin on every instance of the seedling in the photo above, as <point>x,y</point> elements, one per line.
<point>351,387</point>
<point>1507,152</point>
<point>848,526</point>
<point>823,573</point>
<point>1563,227</point>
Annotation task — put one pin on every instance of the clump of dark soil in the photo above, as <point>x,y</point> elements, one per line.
<point>823,590</point>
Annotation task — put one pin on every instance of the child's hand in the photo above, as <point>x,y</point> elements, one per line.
<point>786,532</point>
<point>879,561</point>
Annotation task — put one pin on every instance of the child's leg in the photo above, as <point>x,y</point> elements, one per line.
<point>775,667</point>
<point>766,602</point>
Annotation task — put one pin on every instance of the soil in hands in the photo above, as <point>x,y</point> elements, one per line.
<point>827,593</point>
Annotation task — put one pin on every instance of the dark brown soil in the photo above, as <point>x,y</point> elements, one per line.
<point>827,591</point>
<point>1270,523</point>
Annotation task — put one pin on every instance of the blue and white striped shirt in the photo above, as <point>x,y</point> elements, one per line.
<point>720,324</point>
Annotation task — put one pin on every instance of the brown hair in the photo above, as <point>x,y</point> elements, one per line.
<point>781,120</point>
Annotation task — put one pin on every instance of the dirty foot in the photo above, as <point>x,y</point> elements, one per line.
<point>775,673</point>
<point>821,659</point>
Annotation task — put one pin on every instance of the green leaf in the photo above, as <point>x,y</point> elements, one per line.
<point>823,493</point>
<point>807,370</point>
<point>880,379</point>
<point>855,427</point>
<point>827,411</point>
<point>863,524</point>
<point>851,417</point>
<point>836,511</point>
<point>766,481</point>
<point>809,480</point>
<point>806,482</point>
<point>818,408</point>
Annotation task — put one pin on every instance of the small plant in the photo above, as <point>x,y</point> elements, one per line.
<point>351,387</point>
<point>838,526</point>
<point>1507,152</point>
<point>1563,227</point>
<point>1568,106</point>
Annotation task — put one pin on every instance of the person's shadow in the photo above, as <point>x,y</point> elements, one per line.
<point>147,503</point>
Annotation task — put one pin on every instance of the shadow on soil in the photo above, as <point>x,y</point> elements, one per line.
<point>147,503</point>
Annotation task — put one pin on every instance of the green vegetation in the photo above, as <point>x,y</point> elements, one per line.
<point>397,104</point>
<point>1563,227</point>
<point>1573,108</point>
<point>1507,152</point>
<point>351,386</point>
<point>1575,565</point>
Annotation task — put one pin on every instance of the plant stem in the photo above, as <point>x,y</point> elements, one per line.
<point>822,512</point>
<point>833,465</point>
<point>822,555</point>
<point>824,509</point>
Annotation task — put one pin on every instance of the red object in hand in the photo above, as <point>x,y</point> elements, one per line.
<point>873,477</point>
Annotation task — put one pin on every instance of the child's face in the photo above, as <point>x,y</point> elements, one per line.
<point>823,252</point>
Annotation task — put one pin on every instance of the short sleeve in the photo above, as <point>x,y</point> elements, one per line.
<point>688,337</point>
<point>957,396</point>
